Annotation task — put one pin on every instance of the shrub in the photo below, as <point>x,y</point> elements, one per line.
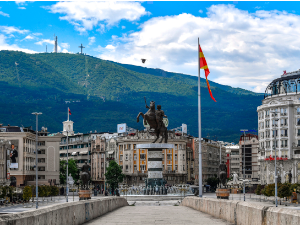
<point>258,190</point>
<point>27,193</point>
<point>269,190</point>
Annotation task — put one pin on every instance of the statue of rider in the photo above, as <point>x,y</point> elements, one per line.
<point>159,114</point>
<point>223,173</point>
<point>85,169</point>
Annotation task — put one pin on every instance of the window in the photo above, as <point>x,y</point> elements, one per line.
<point>183,156</point>
<point>169,168</point>
<point>41,168</point>
<point>176,167</point>
<point>169,157</point>
<point>175,156</point>
<point>102,156</point>
<point>134,157</point>
<point>142,167</point>
<point>134,167</point>
<point>102,165</point>
<point>41,160</point>
<point>298,121</point>
<point>126,168</point>
<point>142,156</point>
<point>126,156</point>
<point>183,168</point>
<point>121,158</point>
<point>298,110</point>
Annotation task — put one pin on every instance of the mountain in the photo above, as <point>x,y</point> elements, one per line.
<point>102,93</point>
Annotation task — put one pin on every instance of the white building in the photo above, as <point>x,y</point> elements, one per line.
<point>281,96</point>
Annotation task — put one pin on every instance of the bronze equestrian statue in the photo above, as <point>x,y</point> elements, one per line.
<point>222,174</point>
<point>85,176</point>
<point>155,120</point>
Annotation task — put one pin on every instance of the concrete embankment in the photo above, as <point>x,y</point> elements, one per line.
<point>244,213</point>
<point>71,213</point>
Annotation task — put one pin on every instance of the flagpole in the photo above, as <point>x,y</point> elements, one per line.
<point>68,113</point>
<point>199,125</point>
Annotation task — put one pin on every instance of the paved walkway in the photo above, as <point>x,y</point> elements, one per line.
<point>157,215</point>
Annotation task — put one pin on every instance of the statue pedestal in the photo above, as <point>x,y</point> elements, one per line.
<point>223,193</point>
<point>154,163</point>
<point>84,194</point>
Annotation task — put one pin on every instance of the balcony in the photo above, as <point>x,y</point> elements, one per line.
<point>169,171</point>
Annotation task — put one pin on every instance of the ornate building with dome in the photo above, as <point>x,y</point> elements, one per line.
<point>279,128</point>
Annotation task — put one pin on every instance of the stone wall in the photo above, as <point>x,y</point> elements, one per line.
<point>71,213</point>
<point>244,213</point>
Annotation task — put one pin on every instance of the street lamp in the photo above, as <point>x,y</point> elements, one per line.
<point>67,191</point>
<point>274,113</point>
<point>36,158</point>
<point>244,130</point>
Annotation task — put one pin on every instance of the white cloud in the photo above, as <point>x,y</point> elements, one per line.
<point>65,51</point>
<point>29,37</point>
<point>5,46</point>
<point>242,49</point>
<point>3,13</point>
<point>65,45</point>
<point>10,30</point>
<point>43,41</point>
<point>123,27</point>
<point>21,7</point>
<point>92,40</point>
<point>37,34</point>
<point>200,11</point>
<point>84,16</point>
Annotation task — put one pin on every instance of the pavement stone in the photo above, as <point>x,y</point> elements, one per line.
<point>144,215</point>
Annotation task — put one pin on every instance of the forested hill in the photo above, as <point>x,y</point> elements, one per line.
<point>104,93</point>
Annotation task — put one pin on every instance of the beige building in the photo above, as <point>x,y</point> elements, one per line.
<point>251,156</point>
<point>134,161</point>
<point>22,147</point>
<point>210,158</point>
<point>4,177</point>
<point>234,159</point>
<point>98,161</point>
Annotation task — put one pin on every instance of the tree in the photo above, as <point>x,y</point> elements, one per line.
<point>213,182</point>
<point>27,193</point>
<point>73,170</point>
<point>41,191</point>
<point>284,190</point>
<point>114,174</point>
<point>269,190</point>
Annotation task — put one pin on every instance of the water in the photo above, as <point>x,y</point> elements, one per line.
<point>179,189</point>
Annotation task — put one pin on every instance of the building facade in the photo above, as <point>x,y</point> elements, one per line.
<point>4,156</point>
<point>22,155</point>
<point>135,161</point>
<point>249,143</point>
<point>98,147</point>
<point>210,158</point>
<point>279,128</point>
<point>234,159</point>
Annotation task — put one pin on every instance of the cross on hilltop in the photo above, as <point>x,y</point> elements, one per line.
<point>81,46</point>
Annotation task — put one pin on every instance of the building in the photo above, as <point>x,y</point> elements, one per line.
<point>134,161</point>
<point>98,147</point>
<point>280,130</point>
<point>22,160</point>
<point>4,174</point>
<point>233,152</point>
<point>249,142</point>
<point>210,158</point>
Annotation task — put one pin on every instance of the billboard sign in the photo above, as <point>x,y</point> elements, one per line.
<point>122,128</point>
<point>184,128</point>
<point>14,155</point>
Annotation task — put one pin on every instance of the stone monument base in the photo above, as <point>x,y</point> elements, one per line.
<point>223,193</point>
<point>85,194</point>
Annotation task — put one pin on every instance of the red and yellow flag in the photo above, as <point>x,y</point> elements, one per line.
<point>203,65</point>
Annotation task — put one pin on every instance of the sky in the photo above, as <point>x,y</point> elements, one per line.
<point>246,44</point>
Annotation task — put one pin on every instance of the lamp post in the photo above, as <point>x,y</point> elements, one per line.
<point>67,191</point>
<point>36,159</point>
<point>274,113</point>
<point>244,130</point>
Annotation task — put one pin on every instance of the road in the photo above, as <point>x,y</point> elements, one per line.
<point>156,215</point>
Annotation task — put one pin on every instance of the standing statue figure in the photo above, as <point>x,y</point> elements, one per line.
<point>155,120</point>
<point>85,176</point>
<point>235,178</point>
<point>222,174</point>
<point>290,176</point>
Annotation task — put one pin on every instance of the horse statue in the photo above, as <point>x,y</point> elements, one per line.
<point>85,176</point>
<point>222,174</point>
<point>155,120</point>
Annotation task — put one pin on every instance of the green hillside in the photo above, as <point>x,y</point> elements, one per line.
<point>104,93</point>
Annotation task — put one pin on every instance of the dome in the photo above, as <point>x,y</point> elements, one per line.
<point>287,83</point>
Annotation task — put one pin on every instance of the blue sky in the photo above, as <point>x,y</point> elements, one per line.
<point>246,44</point>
